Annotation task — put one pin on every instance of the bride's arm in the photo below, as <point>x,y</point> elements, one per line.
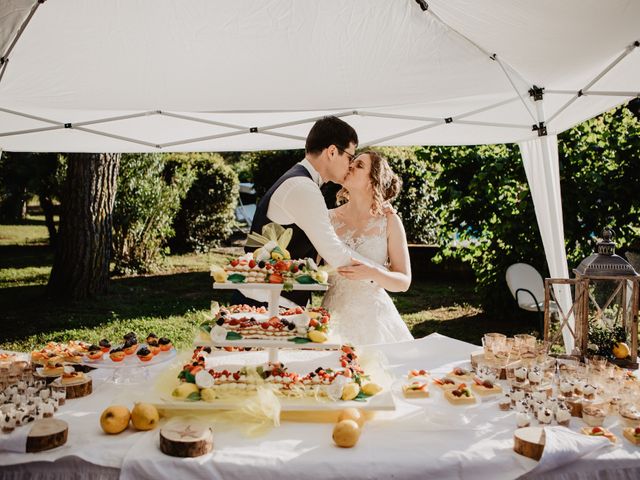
<point>398,277</point>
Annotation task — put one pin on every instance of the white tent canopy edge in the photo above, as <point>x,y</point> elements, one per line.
<point>470,73</point>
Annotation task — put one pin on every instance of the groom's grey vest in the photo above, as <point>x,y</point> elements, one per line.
<point>300,246</point>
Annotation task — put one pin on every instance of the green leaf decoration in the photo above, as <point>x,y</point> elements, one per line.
<point>194,397</point>
<point>287,287</point>
<point>236,278</point>
<point>299,340</point>
<point>305,279</point>
<point>233,336</point>
<point>206,328</point>
<point>361,397</point>
<point>189,377</point>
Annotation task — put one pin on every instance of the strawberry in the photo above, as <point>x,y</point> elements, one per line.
<point>596,430</point>
<point>313,323</point>
<point>252,263</point>
<point>423,372</point>
<point>636,431</point>
<point>276,278</point>
<point>236,376</point>
<point>265,325</point>
<point>343,363</point>
<point>234,263</point>
<point>324,319</point>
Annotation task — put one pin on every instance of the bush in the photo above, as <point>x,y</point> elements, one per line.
<point>147,200</point>
<point>269,165</point>
<point>487,214</point>
<point>415,203</point>
<point>207,213</point>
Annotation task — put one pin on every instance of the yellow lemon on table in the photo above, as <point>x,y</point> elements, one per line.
<point>621,350</point>
<point>346,433</point>
<point>350,391</point>
<point>144,416</point>
<point>351,414</point>
<point>371,388</point>
<point>115,419</point>
<point>317,336</point>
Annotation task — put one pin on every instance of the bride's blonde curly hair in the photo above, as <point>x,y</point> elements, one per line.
<point>385,184</point>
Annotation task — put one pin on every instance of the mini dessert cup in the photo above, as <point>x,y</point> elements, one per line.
<point>594,414</point>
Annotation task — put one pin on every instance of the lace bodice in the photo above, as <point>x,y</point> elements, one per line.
<point>370,242</point>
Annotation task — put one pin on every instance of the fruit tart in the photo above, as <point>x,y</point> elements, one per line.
<point>153,346</point>
<point>445,383</point>
<point>165,344</point>
<point>117,354</point>
<point>53,368</point>
<point>485,387</point>
<point>105,345</point>
<point>70,377</point>
<point>460,374</point>
<point>95,352</point>
<point>599,432</point>
<point>417,373</point>
<point>632,434</point>
<point>144,354</point>
<point>130,346</point>
<point>462,395</point>
<point>415,390</point>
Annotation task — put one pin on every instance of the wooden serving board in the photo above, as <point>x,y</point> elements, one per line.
<point>46,434</point>
<point>529,441</point>
<point>186,439</point>
<point>77,389</point>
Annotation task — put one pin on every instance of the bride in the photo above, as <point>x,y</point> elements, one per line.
<point>363,311</point>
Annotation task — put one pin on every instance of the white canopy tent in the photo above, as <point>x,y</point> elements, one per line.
<point>171,75</point>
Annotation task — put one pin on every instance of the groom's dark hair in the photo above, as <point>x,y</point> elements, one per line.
<point>330,131</point>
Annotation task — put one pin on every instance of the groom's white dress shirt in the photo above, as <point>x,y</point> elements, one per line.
<point>299,200</point>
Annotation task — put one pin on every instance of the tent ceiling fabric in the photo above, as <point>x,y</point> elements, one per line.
<point>170,75</point>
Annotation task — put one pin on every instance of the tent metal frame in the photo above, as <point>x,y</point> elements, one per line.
<point>538,117</point>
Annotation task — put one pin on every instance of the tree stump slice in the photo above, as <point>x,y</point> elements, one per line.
<point>186,439</point>
<point>76,390</point>
<point>529,441</point>
<point>46,434</point>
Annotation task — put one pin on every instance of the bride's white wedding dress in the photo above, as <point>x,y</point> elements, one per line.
<point>362,312</point>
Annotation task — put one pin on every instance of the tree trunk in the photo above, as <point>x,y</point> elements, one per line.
<point>81,263</point>
<point>49,211</point>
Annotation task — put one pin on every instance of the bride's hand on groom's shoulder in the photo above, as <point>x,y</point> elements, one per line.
<point>388,209</point>
<point>357,270</point>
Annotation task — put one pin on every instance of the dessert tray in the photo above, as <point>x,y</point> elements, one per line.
<point>223,382</point>
<point>130,361</point>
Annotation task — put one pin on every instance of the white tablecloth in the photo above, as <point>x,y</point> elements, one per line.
<point>433,440</point>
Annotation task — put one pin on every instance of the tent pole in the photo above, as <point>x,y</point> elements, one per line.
<point>524,102</point>
<point>402,134</point>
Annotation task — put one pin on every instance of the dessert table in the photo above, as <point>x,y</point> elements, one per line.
<point>421,439</point>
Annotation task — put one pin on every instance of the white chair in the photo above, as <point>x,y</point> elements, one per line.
<point>526,286</point>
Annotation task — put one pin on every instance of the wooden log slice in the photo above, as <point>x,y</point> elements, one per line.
<point>529,441</point>
<point>46,434</point>
<point>186,439</point>
<point>76,389</point>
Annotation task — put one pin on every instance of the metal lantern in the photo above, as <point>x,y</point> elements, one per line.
<point>606,294</point>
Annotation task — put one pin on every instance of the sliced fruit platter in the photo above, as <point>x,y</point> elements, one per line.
<point>308,327</point>
<point>130,351</point>
<point>246,269</point>
<point>207,382</point>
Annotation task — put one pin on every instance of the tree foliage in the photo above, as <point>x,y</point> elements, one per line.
<point>486,210</point>
<point>148,198</point>
<point>207,213</point>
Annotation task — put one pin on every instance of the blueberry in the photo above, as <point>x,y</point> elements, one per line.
<point>291,326</point>
<point>318,369</point>
<point>220,321</point>
<point>311,375</point>
<point>261,264</point>
<point>207,349</point>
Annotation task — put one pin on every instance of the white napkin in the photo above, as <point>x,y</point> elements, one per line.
<point>563,446</point>
<point>15,441</point>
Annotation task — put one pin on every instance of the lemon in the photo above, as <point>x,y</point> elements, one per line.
<point>317,336</point>
<point>350,391</point>
<point>621,350</point>
<point>346,433</point>
<point>207,394</point>
<point>185,389</point>
<point>351,414</point>
<point>371,388</point>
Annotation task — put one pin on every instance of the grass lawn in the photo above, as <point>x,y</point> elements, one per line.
<point>173,302</point>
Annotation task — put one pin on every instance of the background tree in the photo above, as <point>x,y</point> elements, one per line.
<point>207,212</point>
<point>148,198</point>
<point>486,210</point>
<point>81,261</point>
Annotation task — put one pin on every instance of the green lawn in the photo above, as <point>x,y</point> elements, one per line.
<point>173,302</point>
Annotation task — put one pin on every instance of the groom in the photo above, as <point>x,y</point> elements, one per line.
<point>295,201</point>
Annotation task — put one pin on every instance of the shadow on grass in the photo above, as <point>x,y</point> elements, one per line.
<point>28,310</point>
<point>471,328</point>
<point>25,256</point>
